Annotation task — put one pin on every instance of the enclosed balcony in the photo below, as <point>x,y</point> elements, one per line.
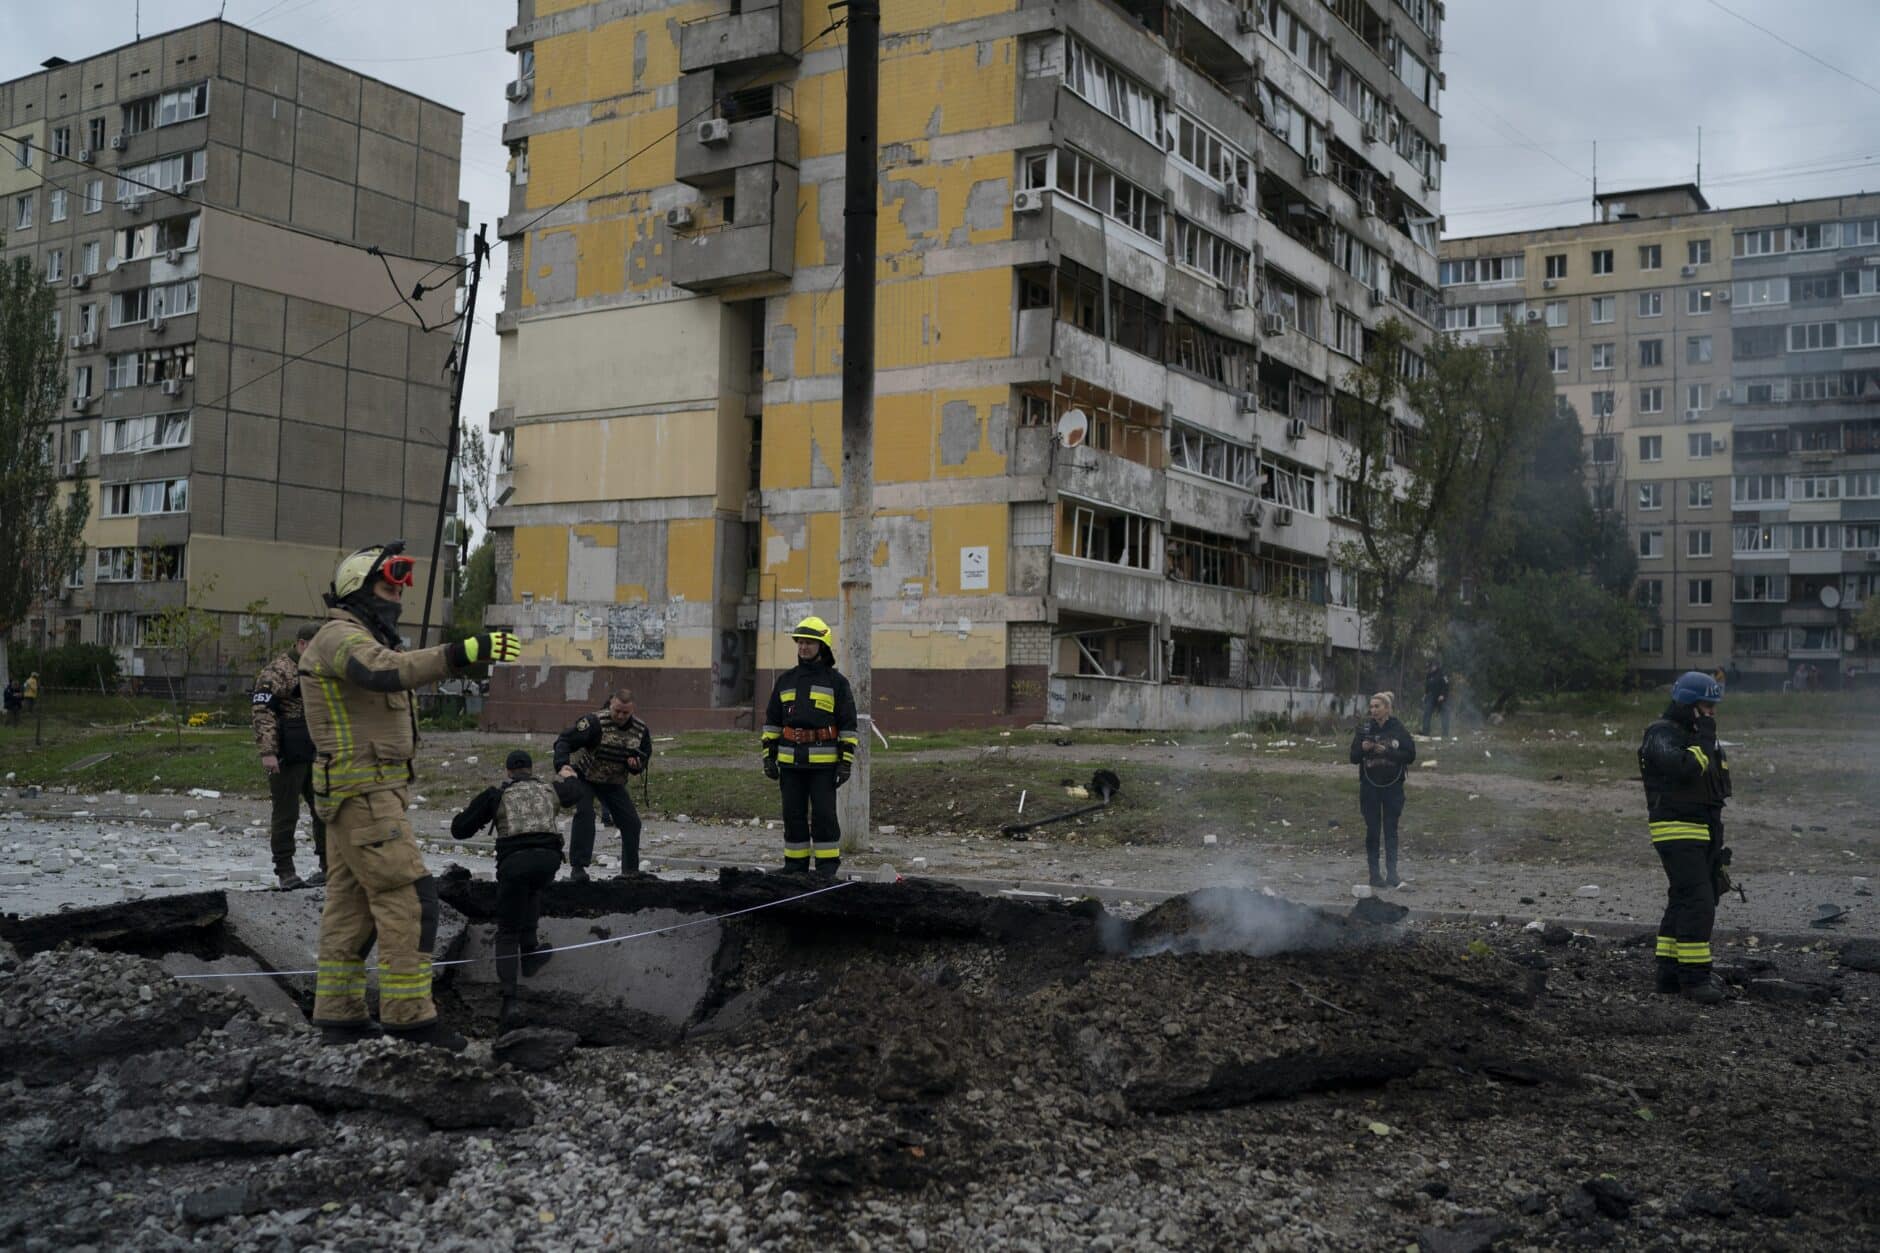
<point>754,35</point>
<point>739,129</point>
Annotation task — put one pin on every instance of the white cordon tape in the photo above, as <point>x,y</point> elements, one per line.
<point>566,948</point>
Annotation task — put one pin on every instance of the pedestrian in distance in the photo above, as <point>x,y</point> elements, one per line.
<point>809,744</point>
<point>1687,780</point>
<point>29,695</point>
<point>1435,696</point>
<point>12,700</point>
<point>1381,748</point>
<point>528,853</point>
<point>280,723</point>
<point>356,681</point>
<point>598,754</point>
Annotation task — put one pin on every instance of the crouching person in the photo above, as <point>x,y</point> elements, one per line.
<point>528,853</point>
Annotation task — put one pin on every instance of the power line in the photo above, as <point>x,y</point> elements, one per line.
<point>654,143</point>
<point>1796,47</point>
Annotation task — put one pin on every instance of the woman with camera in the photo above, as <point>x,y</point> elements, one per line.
<point>1381,748</point>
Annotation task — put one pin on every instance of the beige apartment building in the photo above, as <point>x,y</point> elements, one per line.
<point>1165,227</point>
<point>1726,367</point>
<point>247,396</point>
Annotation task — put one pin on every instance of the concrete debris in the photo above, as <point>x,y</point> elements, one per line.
<point>1588,892</point>
<point>1861,955</point>
<point>1788,991</point>
<point>535,1048</point>
<point>445,1090</point>
<point>187,1132</point>
<point>218,1203</point>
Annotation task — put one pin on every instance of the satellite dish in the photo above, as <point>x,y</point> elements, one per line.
<point>1831,596</point>
<point>1072,428</point>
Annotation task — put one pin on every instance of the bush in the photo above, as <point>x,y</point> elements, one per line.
<point>84,666</point>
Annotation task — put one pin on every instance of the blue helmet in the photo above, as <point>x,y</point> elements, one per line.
<point>1694,686</point>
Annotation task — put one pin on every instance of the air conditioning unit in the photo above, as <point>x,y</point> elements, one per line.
<point>1282,516</point>
<point>156,322</point>
<point>1723,294</point>
<point>1254,516</point>
<point>1873,554</point>
<point>117,142</point>
<point>1295,428</point>
<point>68,469</point>
<point>172,387</point>
<point>1378,297</point>
<point>679,219</point>
<point>1247,403</point>
<point>78,342</point>
<point>1030,200</point>
<point>1371,133</point>
<point>1720,445</point>
<point>517,90</point>
<point>80,403</point>
<point>1315,164</point>
<point>1234,198</point>
<point>1272,324</point>
<point>714,130</point>
<point>1689,271</point>
<point>1247,21</point>
<point>84,156</point>
<point>80,282</point>
<point>1237,298</point>
<point>1724,393</point>
<point>135,205</point>
<point>1550,283</point>
<point>174,256</point>
<point>1693,415</point>
<point>1533,315</point>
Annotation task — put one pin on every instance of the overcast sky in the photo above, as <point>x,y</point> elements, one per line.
<point>1532,83</point>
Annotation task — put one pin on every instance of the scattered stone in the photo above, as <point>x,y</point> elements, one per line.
<point>446,1090</point>
<point>1588,892</point>
<point>535,1048</point>
<point>187,1132</point>
<point>1610,1197</point>
<point>1861,955</point>
<point>218,1203</point>
<point>1554,935</point>
<point>1476,1236</point>
<point>1756,1192</point>
<point>1786,991</point>
<point>1709,1204</point>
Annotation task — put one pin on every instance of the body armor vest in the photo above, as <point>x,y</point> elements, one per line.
<point>528,807</point>
<point>606,762</point>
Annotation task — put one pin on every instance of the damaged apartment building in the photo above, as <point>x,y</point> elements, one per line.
<point>1127,251</point>
<point>240,402</point>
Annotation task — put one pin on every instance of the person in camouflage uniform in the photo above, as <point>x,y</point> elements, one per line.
<point>287,755</point>
<point>528,853</point>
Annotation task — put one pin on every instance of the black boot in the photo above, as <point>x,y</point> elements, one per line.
<point>433,1033</point>
<point>796,865</point>
<point>339,1034</point>
<point>1377,880</point>
<point>508,964</point>
<point>578,875</point>
<point>1667,972</point>
<point>534,957</point>
<point>1699,984</point>
<point>826,867</point>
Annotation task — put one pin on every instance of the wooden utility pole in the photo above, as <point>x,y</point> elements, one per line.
<point>858,400</point>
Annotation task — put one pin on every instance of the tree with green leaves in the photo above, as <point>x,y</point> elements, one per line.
<point>183,631</point>
<point>42,521</point>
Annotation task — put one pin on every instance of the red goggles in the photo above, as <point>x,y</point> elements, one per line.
<point>397,571</point>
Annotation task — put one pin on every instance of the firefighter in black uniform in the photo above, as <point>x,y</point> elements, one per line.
<point>809,748</point>
<point>598,754</point>
<point>1686,783</point>
<point>528,853</point>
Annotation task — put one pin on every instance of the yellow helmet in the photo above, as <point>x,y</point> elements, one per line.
<point>357,570</point>
<point>814,628</point>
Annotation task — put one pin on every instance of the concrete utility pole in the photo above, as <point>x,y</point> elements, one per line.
<point>858,400</point>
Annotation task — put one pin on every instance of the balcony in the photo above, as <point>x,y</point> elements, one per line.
<point>713,149</point>
<point>764,34</point>
<point>758,246</point>
<point>1105,589</point>
<point>1108,479</point>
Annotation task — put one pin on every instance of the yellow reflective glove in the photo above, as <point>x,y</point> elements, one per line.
<point>495,646</point>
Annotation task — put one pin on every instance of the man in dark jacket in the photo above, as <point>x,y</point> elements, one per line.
<point>1686,783</point>
<point>280,723</point>
<point>598,754</point>
<point>1435,696</point>
<point>809,744</point>
<point>1382,750</point>
<point>528,852</point>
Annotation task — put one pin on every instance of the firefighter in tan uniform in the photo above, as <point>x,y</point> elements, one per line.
<point>356,684</point>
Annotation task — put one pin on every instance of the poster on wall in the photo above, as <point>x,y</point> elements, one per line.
<point>975,568</point>
<point>636,633</point>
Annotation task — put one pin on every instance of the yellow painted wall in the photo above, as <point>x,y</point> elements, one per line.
<point>641,457</point>
<point>565,650</point>
<point>810,568</point>
<point>541,568</point>
<point>969,526</point>
<point>690,549</point>
<point>907,436</point>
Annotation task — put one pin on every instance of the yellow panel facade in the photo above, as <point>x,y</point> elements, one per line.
<point>541,564</point>
<point>638,457</point>
<point>960,533</point>
<point>802,445</point>
<point>690,548</point>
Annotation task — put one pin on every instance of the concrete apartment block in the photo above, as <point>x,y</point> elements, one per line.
<point>242,406</point>
<point>1177,218</point>
<point>1744,448</point>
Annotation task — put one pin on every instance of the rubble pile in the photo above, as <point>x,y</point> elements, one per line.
<point>908,1067</point>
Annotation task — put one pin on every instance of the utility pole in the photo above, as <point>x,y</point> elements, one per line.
<point>858,399</point>
<point>478,253</point>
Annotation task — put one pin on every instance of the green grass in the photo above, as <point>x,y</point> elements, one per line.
<point>224,760</point>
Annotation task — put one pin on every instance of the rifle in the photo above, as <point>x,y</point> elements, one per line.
<point>1721,884</point>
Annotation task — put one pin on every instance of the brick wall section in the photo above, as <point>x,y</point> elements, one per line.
<point>1028,644</point>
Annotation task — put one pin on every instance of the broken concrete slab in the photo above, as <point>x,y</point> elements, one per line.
<point>170,1077</point>
<point>535,1048</point>
<point>218,1203</point>
<point>1787,991</point>
<point>264,994</point>
<point>159,924</point>
<point>281,930</point>
<point>1225,1085</point>
<point>1861,955</point>
<point>446,1090</point>
<point>1475,1236</point>
<point>188,1132</point>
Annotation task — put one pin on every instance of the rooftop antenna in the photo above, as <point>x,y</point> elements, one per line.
<point>1700,158</point>
<point>137,20</point>
<point>1596,180</point>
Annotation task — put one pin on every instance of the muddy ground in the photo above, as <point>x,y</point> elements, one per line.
<point>910,1066</point>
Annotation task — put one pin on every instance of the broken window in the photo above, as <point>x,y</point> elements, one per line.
<point>1205,453</point>
<point>1202,659</point>
<point>1120,539</point>
<point>1292,576</point>
<point>1213,356</point>
<point>1196,556</point>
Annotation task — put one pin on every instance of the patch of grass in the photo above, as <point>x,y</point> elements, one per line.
<point>223,760</point>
